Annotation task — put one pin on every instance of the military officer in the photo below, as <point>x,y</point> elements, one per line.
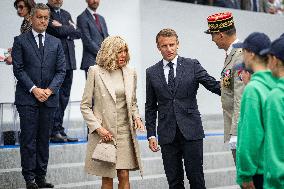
<point>223,32</point>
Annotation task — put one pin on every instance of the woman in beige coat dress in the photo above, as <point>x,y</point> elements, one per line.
<point>112,87</point>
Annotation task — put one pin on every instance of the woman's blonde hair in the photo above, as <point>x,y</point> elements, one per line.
<point>107,55</point>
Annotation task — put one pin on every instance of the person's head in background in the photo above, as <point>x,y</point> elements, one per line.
<point>252,46</point>
<point>222,29</point>
<point>275,55</point>
<point>113,54</point>
<point>244,73</point>
<point>93,4</point>
<point>56,4</point>
<point>24,7</point>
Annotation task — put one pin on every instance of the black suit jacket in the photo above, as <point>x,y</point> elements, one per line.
<point>31,69</point>
<point>66,33</point>
<point>179,108</point>
<point>91,37</point>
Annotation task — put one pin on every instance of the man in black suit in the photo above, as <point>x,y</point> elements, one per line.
<point>39,66</point>
<point>171,88</point>
<point>61,26</point>
<point>94,30</point>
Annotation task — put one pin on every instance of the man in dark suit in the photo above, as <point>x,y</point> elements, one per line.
<point>62,27</point>
<point>39,66</point>
<point>94,31</point>
<point>171,88</point>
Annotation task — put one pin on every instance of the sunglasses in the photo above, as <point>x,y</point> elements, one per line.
<point>20,7</point>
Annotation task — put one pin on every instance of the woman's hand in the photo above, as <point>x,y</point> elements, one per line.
<point>138,124</point>
<point>104,134</point>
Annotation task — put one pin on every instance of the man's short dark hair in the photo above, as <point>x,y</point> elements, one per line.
<point>230,32</point>
<point>167,32</point>
<point>39,6</point>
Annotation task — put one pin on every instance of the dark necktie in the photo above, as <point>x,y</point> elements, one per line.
<point>171,77</point>
<point>40,46</point>
<point>98,23</point>
<point>254,6</point>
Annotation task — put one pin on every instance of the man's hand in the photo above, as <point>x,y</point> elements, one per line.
<point>55,23</point>
<point>48,92</point>
<point>248,185</point>
<point>153,145</point>
<point>138,124</point>
<point>104,134</point>
<point>40,94</point>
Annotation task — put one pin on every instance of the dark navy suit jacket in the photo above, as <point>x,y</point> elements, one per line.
<point>179,108</point>
<point>66,33</point>
<point>91,37</point>
<point>31,69</point>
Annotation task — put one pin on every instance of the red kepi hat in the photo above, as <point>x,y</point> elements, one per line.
<point>220,22</point>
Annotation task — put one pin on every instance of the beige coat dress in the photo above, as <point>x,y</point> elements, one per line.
<point>115,108</point>
<point>231,93</point>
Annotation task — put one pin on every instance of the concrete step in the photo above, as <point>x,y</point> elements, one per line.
<point>10,157</point>
<point>227,187</point>
<point>74,172</point>
<point>213,178</point>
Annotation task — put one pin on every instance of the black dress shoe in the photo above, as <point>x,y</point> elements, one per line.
<point>43,184</point>
<point>69,139</point>
<point>58,138</point>
<point>31,185</point>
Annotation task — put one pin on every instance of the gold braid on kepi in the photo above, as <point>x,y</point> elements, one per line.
<point>220,22</point>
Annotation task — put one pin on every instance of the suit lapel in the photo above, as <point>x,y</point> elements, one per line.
<point>105,75</point>
<point>179,73</point>
<point>34,45</point>
<point>162,76</point>
<point>128,84</point>
<point>91,18</point>
<point>46,47</point>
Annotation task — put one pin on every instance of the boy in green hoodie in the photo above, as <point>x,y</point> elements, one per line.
<point>250,127</point>
<point>274,120</point>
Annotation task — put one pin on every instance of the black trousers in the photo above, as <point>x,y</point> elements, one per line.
<point>192,154</point>
<point>35,123</point>
<point>64,95</point>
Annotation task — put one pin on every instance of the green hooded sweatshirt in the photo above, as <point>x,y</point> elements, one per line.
<point>273,140</point>
<point>250,144</point>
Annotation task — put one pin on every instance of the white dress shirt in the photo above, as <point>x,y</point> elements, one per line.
<point>36,37</point>
<point>231,47</point>
<point>167,68</point>
<point>92,12</point>
<point>35,34</point>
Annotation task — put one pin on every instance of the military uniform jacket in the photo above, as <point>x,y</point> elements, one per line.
<point>232,88</point>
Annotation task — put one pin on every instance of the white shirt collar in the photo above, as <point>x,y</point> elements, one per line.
<point>231,47</point>
<point>165,62</point>
<point>36,33</point>
<point>91,11</point>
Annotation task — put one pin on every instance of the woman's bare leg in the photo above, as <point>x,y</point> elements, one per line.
<point>107,183</point>
<point>123,179</point>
